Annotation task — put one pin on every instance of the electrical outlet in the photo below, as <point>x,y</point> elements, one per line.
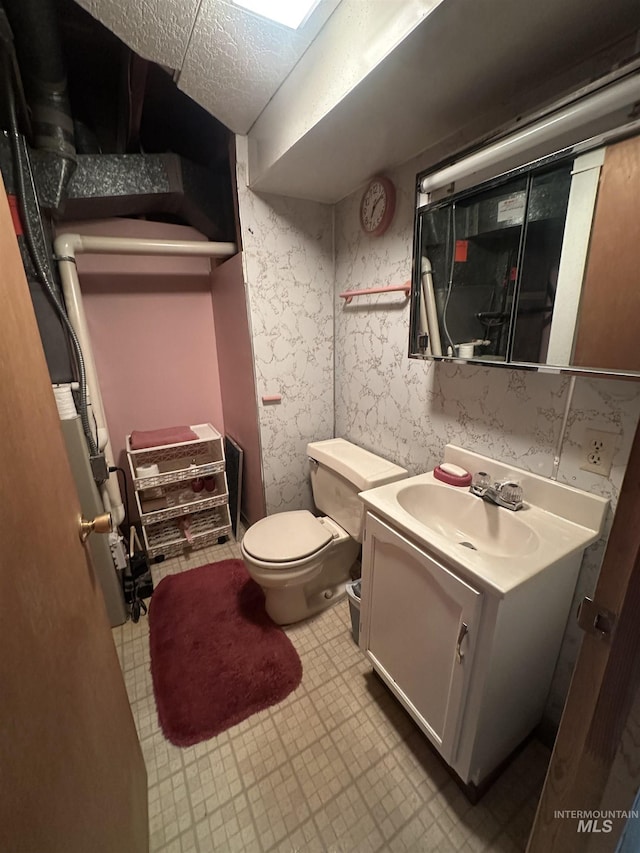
<point>597,451</point>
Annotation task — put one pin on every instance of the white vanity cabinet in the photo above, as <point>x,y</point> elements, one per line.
<point>472,666</point>
<point>419,628</point>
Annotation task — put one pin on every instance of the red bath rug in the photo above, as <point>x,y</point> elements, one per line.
<point>216,657</point>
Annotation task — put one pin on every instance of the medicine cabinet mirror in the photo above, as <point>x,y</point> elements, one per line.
<point>538,267</point>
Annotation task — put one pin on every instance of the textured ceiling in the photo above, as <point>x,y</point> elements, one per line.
<point>155,29</point>
<point>367,84</point>
<point>236,61</point>
<point>228,60</point>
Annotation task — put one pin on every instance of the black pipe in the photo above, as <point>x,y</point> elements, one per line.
<point>25,183</point>
<point>37,43</point>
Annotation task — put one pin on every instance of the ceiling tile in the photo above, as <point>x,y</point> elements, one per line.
<point>156,29</point>
<point>236,60</point>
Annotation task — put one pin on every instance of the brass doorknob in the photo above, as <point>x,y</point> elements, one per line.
<point>101,524</point>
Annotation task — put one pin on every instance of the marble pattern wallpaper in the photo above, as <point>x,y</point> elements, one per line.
<point>408,410</point>
<point>332,361</point>
<point>289,272</point>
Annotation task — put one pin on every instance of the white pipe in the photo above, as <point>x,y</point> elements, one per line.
<point>66,246</point>
<point>65,402</point>
<point>429,298</point>
<point>572,118</point>
<point>110,490</point>
<point>563,428</point>
<point>103,438</point>
<point>70,245</point>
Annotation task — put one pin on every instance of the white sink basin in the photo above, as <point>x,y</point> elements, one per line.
<point>500,548</point>
<point>466,519</point>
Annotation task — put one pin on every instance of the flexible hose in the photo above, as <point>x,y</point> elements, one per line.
<point>19,151</point>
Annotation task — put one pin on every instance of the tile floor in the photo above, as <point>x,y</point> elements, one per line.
<point>338,767</point>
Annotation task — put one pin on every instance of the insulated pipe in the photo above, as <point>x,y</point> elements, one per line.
<point>66,247</point>
<point>429,299</point>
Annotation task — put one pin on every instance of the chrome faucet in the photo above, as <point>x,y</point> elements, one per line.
<point>506,493</point>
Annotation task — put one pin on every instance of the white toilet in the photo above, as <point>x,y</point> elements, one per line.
<point>302,562</point>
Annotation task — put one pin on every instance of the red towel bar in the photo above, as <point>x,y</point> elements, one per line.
<point>349,294</point>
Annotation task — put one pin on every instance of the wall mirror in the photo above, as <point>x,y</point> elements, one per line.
<point>538,266</point>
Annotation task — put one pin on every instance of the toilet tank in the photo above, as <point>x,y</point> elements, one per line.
<point>339,470</point>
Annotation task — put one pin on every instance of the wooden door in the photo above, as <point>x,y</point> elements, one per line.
<point>72,777</point>
<point>413,613</point>
<point>591,745</point>
<point>609,319</point>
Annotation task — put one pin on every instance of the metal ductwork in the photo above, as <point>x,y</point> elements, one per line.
<point>95,185</point>
<point>107,185</point>
<point>37,45</point>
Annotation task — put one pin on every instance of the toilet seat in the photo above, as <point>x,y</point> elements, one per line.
<point>286,539</point>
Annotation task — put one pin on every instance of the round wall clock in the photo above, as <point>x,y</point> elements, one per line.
<point>377,206</point>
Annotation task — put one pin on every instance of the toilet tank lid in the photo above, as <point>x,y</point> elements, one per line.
<point>364,469</point>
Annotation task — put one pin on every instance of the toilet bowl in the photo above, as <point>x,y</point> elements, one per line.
<point>303,562</point>
<point>303,576</point>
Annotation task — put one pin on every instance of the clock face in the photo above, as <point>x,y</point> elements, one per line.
<point>377,206</point>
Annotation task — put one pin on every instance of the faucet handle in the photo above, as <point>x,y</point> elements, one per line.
<point>511,492</point>
<point>482,481</point>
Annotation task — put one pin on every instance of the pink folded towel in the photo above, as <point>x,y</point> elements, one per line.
<point>140,439</point>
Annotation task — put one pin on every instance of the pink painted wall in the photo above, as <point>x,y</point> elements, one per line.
<point>152,331</point>
<point>237,384</point>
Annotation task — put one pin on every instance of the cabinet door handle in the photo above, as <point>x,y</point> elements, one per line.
<point>464,630</point>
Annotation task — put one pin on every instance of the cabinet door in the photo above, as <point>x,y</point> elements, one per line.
<point>418,628</point>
